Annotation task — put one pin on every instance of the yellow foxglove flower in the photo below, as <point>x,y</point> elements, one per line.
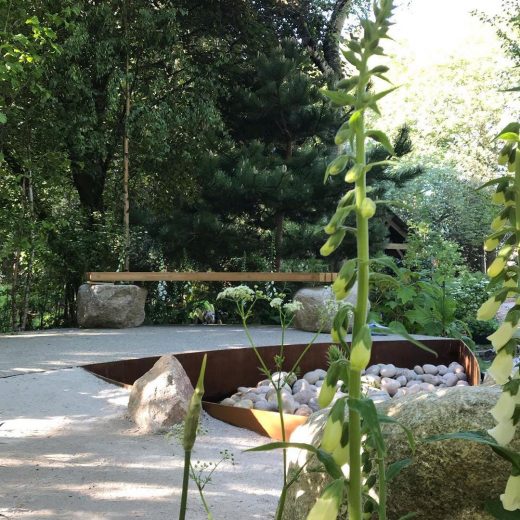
<point>368,207</point>
<point>496,267</point>
<point>503,432</point>
<point>503,334</point>
<point>498,223</point>
<point>505,407</point>
<point>501,367</point>
<point>361,349</point>
<point>334,426</point>
<point>328,389</point>
<point>511,496</point>
<point>488,309</point>
<point>326,394</point>
<point>498,197</point>
<point>491,244</point>
<point>327,506</point>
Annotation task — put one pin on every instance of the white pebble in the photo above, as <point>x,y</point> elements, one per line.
<point>428,387</point>
<point>389,385</point>
<point>430,369</point>
<point>388,370</point>
<point>462,376</point>
<point>303,410</point>
<point>443,369</point>
<point>262,405</point>
<point>228,401</point>
<point>321,373</point>
<point>373,370</point>
<point>311,377</point>
<point>450,379</point>
<point>462,383</point>
<point>402,380</point>
<point>418,369</point>
<point>245,403</point>
<point>300,385</point>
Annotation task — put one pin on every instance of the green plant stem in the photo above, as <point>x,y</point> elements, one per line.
<point>355,499</point>
<point>185,483</point>
<point>382,488</point>
<point>517,202</point>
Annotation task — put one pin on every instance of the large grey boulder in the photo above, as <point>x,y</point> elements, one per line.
<point>448,480</point>
<point>319,307</point>
<point>160,398</point>
<point>111,306</point>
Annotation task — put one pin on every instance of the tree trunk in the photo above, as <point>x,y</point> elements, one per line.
<point>278,237</point>
<point>126,215</point>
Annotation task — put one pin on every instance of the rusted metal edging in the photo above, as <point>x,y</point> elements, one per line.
<point>230,368</point>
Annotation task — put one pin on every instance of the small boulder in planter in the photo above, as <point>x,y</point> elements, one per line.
<point>160,398</point>
<point>448,480</point>
<point>111,306</point>
<point>319,308</point>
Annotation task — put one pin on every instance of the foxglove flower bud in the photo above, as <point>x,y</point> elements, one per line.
<point>328,388</point>
<point>496,267</point>
<point>192,417</point>
<point>491,244</point>
<point>328,505</point>
<point>488,309</point>
<point>368,208</point>
<point>361,349</point>
<point>334,426</point>
<point>511,496</point>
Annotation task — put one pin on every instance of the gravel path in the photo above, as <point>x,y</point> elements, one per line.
<point>68,452</point>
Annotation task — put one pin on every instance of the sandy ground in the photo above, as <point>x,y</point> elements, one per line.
<point>68,452</point>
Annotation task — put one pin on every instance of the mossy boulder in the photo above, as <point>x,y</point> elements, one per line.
<point>448,480</point>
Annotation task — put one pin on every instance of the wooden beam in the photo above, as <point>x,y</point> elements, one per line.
<point>209,276</point>
<point>396,246</point>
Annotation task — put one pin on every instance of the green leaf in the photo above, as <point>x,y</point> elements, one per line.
<point>508,136</point>
<point>496,510</point>
<point>482,438</point>
<point>398,328</point>
<point>348,84</point>
<point>338,97</point>
<point>284,445</point>
<point>408,516</point>
<point>395,468</point>
<point>382,138</point>
<point>498,180</point>
<point>3,118</point>
<point>387,262</point>
<point>367,409</point>
<point>330,464</point>
<point>409,434</point>
<point>382,94</point>
<point>511,127</point>
<point>351,57</point>
<point>385,279</point>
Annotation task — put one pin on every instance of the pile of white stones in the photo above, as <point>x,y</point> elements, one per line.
<point>379,382</point>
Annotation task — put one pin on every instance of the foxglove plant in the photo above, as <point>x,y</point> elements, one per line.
<point>504,272</point>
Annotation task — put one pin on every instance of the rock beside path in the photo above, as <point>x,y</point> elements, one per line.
<point>160,398</point>
<point>448,480</point>
<point>111,306</point>
<point>319,308</point>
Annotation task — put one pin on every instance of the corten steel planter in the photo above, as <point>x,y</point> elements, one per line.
<point>233,367</point>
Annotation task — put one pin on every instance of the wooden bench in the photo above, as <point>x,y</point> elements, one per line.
<point>209,276</point>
